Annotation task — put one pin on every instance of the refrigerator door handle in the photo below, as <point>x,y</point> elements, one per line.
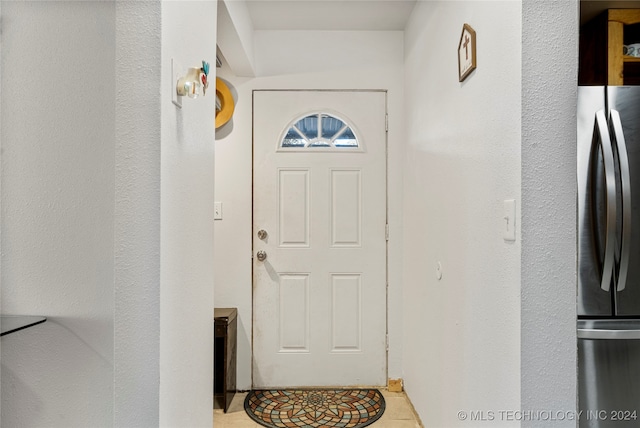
<point>601,130</point>
<point>625,246</point>
<point>595,333</point>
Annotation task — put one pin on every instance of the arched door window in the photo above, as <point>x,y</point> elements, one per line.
<point>320,131</point>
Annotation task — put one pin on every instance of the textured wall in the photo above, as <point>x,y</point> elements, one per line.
<point>461,333</point>
<point>85,150</point>
<point>549,88</point>
<point>137,208</point>
<point>323,60</point>
<point>187,171</point>
<point>58,189</point>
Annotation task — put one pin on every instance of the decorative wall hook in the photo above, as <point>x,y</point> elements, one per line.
<point>204,77</point>
<point>194,81</point>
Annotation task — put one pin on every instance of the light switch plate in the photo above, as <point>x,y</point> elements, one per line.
<point>217,210</point>
<point>509,220</point>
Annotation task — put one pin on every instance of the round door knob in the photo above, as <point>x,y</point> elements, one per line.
<point>262,255</point>
<point>262,234</point>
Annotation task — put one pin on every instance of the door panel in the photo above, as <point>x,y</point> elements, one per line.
<point>346,208</point>
<point>346,312</point>
<point>626,100</point>
<point>320,294</point>
<point>293,207</point>
<point>592,300</point>
<point>293,302</point>
<point>608,371</point>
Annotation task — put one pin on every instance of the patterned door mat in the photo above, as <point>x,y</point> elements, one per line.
<point>339,408</point>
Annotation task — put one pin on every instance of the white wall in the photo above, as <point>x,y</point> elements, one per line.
<point>461,333</point>
<point>322,60</point>
<point>549,94</point>
<point>58,195</point>
<point>235,36</point>
<point>102,181</point>
<point>137,207</point>
<point>188,143</point>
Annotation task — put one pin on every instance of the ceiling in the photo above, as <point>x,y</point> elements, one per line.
<point>365,15</point>
<point>357,15</point>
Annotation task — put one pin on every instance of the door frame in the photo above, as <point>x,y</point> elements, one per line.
<point>386,208</point>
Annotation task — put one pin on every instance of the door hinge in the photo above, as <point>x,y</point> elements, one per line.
<point>386,231</point>
<point>386,341</point>
<point>386,122</point>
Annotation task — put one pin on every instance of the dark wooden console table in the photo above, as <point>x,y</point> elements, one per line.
<point>224,355</point>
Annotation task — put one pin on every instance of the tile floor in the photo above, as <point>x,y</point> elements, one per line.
<point>398,413</point>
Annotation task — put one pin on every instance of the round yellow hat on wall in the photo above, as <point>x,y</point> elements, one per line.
<point>225,111</point>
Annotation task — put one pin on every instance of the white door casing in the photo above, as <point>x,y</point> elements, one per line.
<point>319,298</point>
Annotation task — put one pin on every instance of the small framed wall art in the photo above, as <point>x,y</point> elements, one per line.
<point>466,52</point>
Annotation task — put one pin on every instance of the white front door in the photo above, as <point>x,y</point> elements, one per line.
<point>319,217</point>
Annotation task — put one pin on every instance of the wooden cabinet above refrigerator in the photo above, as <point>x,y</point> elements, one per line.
<point>602,40</point>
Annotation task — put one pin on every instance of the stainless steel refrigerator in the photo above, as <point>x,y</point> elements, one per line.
<point>609,256</point>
